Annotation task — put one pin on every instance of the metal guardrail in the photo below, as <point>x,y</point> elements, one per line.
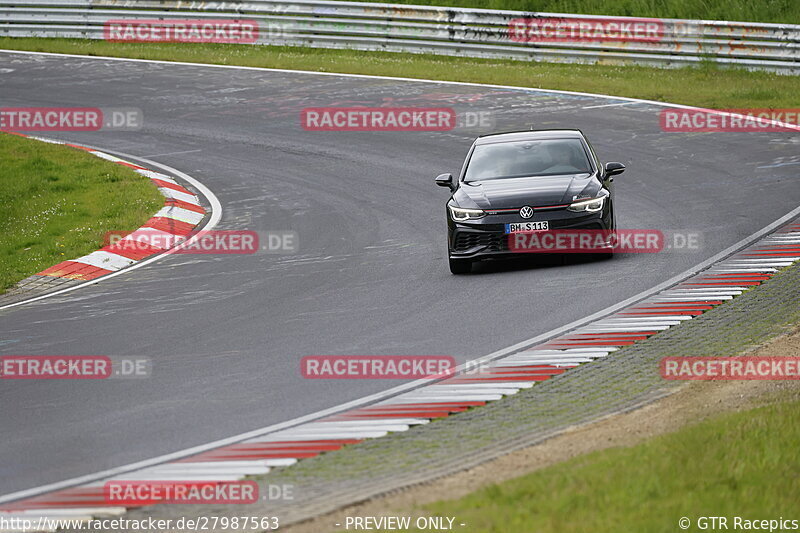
<point>426,29</point>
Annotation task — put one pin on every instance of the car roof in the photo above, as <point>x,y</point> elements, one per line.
<point>529,135</point>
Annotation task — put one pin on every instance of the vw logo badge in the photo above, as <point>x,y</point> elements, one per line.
<point>526,212</point>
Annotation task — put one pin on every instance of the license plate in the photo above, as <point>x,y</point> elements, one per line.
<point>519,227</point>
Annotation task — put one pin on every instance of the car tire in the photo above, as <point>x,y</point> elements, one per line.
<point>460,266</point>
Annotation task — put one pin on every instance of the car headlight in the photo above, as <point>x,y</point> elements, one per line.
<point>459,214</point>
<point>588,205</point>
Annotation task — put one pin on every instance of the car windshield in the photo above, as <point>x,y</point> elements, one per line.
<point>520,159</point>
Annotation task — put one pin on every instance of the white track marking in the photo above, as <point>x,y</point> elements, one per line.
<point>555,362</point>
<point>633,319</point>
<point>731,270</point>
<point>368,424</point>
<point>179,213</point>
<point>644,326</point>
<point>233,463</point>
<point>451,396</point>
<point>724,291</point>
<point>105,260</point>
<point>574,351</point>
<point>281,462</point>
<point>549,353</point>
<point>108,157</point>
<point>549,361</point>
<point>172,194</point>
<point>764,261</point>
<point>174,153</point>
<point>792,259</point>
<point>693,298</point>
<point>154,237</point>
<point>494,389</point>
<point>211,468</point>
<point>523,356</point>
<point>50,141</point>
<point>721,285</point>
<point>485,386</point>
<point>332,435</point>
<point>630,329</point>
<point>489,386</point>
<point>395,420</point>
<point>608,105</point>
<point>152,476</point>
<point>156,176</point>
<point>709,294</point>
<point>433,399</point>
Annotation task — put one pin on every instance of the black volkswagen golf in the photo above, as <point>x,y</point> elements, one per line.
<point>522,182</point>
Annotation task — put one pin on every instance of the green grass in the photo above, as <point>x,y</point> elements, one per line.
<point>742,10</point>
<point>744,464</point>
<point>58,203</point>
<point>706,85</point>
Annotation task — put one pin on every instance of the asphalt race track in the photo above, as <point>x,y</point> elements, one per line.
<point>226,332</point>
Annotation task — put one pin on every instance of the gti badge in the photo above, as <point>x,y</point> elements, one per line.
<point>526,212</point>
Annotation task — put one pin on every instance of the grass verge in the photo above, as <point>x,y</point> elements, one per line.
<point>706,85</point>
<point>743,464</point>
<point>58,203</point>
<point>740,10</point>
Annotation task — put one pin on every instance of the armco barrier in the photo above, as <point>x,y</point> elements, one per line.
<point>437,30</point>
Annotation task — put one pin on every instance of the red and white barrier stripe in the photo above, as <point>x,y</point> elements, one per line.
<point>181,214</point>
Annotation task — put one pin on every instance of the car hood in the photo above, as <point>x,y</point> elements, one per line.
<point>534,191</point>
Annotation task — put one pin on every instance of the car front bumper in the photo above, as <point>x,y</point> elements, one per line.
<point>486,238</point>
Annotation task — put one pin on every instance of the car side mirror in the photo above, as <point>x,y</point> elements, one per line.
<point>614,168</point>
<point>445,180</point>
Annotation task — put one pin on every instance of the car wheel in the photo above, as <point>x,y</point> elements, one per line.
<point>460,266</point>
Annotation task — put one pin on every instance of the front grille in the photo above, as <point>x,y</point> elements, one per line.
<point>491,242</point>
